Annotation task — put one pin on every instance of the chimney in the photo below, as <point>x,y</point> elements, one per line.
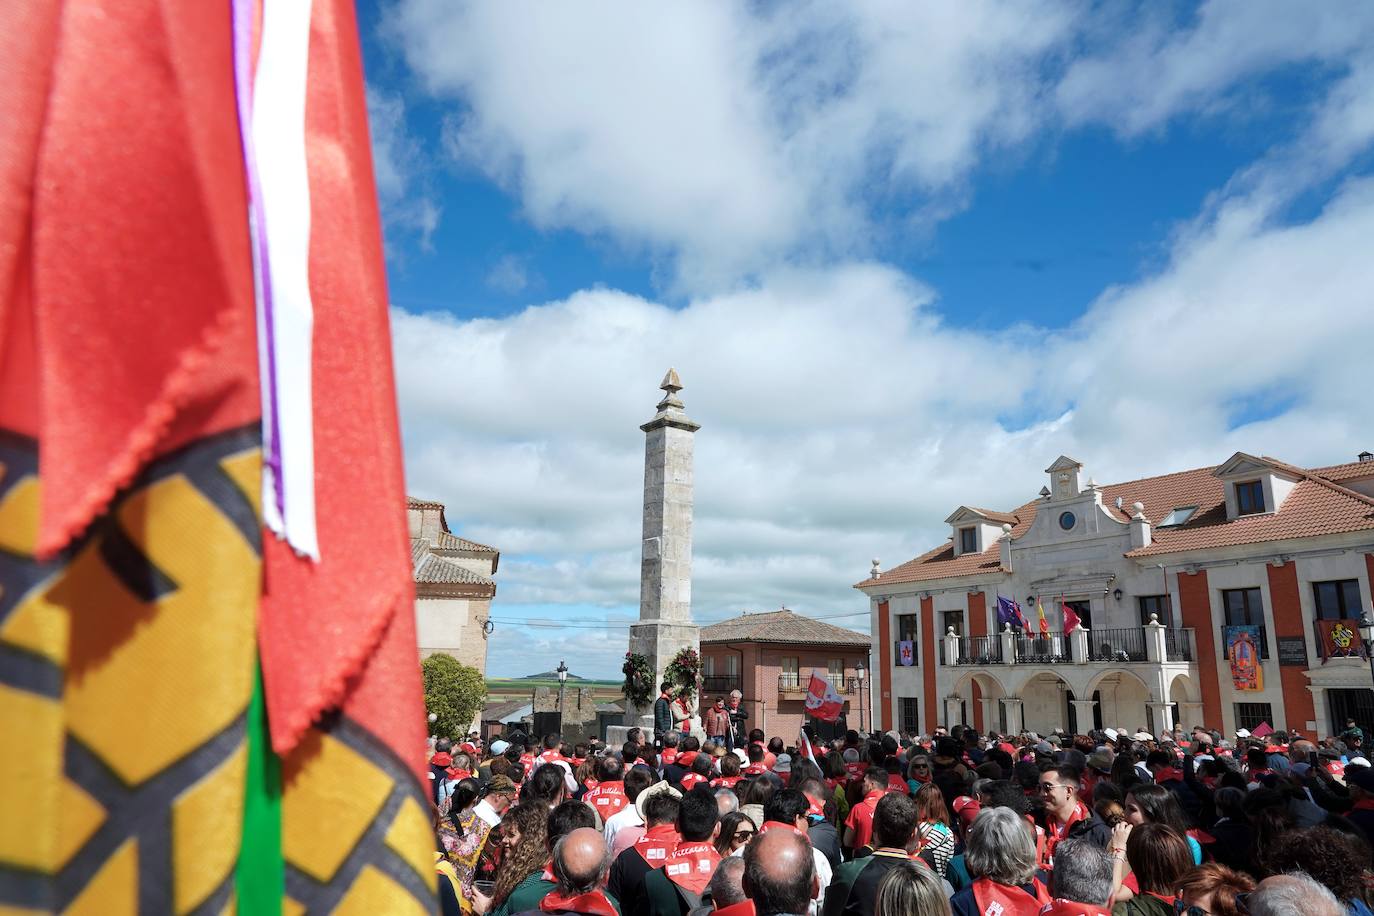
<point>1004,548</point>
<point>1140,527</point>
<point>1365,456</point>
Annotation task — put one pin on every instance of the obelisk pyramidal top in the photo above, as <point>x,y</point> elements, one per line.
<point>665,578</point>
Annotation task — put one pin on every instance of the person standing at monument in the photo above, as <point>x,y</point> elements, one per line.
<point>663,713</point>
<point>717,722</point>
<point>738,716</point>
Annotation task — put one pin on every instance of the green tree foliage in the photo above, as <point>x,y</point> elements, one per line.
<point>454,692</point>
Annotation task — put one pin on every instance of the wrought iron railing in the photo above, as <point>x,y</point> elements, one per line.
<point>1120,644</point>
<point>979,650</point>
<point>791,683</point>
<point>1179,645</point>
<point>1051,649</point>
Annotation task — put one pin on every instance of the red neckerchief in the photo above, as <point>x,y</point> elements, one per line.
<point>548,873</point>
<point>995,898</point>
<point>1169,774</point>
<point>817,809</point>
<point>726,781</point>
<point>685,758</point>
<point>691,779</point>
<point>592,902</point>
<point>578,761</point>
<point>854,770</point>
<point>667,757</point>
<point>896,783</point>
<point>755,769</point>
<point>834,783</point>
<point>455,773</point>
<point>442,759</point>
<point>743,908</point>
<point>1256,774</point>
<point>657,844</point>
<point>873,797</point>
<point>550,756</point>
<point>1364,804</point>
<point>589,784</point>
<point>1061,907</point>
<point>1202,836</point>
<point>1054,831</point>
<point>1169,900</point>
<point>609,796</point>
<point>691,864</point>
<point>779,825</point>
<point>526,759</point>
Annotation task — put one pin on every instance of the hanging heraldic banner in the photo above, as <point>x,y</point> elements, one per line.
<point>1243,651</point>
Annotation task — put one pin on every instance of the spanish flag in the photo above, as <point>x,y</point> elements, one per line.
<point>209,686</point>
<point>1040,613</point>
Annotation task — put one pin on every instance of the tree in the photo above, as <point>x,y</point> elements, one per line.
<point>454,692</point>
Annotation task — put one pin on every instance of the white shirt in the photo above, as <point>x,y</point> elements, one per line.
<point>487,813</point>
<point>627,816</point>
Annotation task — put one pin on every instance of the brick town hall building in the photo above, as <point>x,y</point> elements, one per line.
<point>1156,569</point>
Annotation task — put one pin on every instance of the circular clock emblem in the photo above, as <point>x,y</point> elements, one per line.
<point>1067,520</point>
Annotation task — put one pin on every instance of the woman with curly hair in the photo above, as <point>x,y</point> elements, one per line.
<point>1337,860</point>
<point>523,853</point>
<point>1212,889</point>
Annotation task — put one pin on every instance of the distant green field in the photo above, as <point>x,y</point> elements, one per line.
<point>522,687</point>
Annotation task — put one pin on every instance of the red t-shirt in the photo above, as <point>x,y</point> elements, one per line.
<point>860,819</point>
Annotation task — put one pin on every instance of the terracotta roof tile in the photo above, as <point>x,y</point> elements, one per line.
<point>1349,471</point>
<point>994,516</point>
<point>781,627</point>
<point>449,541</point>
<point>434,570</point>
<point>413,503</point>
<point>1317,505</point>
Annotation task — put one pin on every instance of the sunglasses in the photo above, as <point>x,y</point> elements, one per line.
<point>1046,787</point>
<point>742,835</point>
<point>1188,909</point>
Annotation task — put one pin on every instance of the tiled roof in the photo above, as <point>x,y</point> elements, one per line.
<point>993,516</point>
<point>434,570</point>
<point>413,503</point>
<point>1350,471</point>
<point>506,710</point>
<point>449,541</point>
<point>1317,505</point>
<point>781,627</point>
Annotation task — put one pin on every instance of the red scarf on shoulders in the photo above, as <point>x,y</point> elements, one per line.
<point>1061,907</point>
<point>1169,774</point>
<point>657,844</point>
<point>1055,831</point>
<point>993,899</point>
<point>592,902</point>
<point>690,865</point>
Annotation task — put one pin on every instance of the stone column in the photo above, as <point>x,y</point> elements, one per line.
<point>665,582</point>
<point>989,713</point>
<point>954,712</point>
<point>1191,713</point>
<point>1078,645</point>
<point>1156,649</point>
<point>1163,716</point>
<point>1013,707</point>
<point>1083,711</point>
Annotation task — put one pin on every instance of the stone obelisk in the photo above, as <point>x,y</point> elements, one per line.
<point>665,578</point>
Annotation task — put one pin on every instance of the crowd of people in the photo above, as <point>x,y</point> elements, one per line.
<point>958,822</point>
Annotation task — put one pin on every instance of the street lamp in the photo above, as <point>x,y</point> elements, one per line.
<point>859,673</point>
<point>562,671</point>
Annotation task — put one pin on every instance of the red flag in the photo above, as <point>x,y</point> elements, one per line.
<point>1263,730</point>
<point>1071,620</point>
<point>821,699</point>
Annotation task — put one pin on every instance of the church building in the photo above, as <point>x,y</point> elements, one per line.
<point>454,586</point>
<point>1159,576</point>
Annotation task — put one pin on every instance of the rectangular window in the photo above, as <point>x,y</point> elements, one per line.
<point>1338,600</point>
<point>1178,515</point>
<point>836,668</point>
<point>910,723</point>
<point>1156,604</point>
<point>968,540</point>
<point>906,626</point>
<point>1249,497</point>
<point>708,666</point>
<point>1244,606</point>
<point>1249,715</point>
<point>791,676</point>
<point>732,665</point>
<point>953,619</point>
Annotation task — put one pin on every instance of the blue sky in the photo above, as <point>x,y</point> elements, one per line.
<point>1015,230</point>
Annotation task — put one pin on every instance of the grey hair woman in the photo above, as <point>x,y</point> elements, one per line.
<point>1000,848</point>
<point>911,889</point>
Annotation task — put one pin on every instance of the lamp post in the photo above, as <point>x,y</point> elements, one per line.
<point>562,671</point>
<point>859,673</point>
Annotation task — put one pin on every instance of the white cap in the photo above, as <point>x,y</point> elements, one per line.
<point>1111,733</point>
<point>1242,733</point>
<point>499,747</point>
<point>1358,762</point>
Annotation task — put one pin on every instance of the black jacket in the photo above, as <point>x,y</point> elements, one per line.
<point>1233,845</point>
<point>1093,828</point>
<point>663,717</point>
<point>826,838</point>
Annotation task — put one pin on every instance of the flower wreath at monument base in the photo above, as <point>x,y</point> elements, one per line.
<point>639,680</point>
<point>684,671</point>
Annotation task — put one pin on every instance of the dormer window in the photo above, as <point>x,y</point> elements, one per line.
<point>968,540</point>
<point>1249,497</point>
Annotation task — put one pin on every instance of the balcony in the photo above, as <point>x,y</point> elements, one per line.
<point>979,650</point>
<point>1149,644</point>
<point>794,686</point>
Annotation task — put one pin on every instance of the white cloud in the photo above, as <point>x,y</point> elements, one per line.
<point>399,168</point>
<point>726,138</point>
<point>511,274</point>
<point>842,420</point>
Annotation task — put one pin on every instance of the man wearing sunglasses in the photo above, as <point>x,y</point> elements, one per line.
<point>1066,815</point>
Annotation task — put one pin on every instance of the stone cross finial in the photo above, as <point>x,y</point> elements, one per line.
<point>671,386</point>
